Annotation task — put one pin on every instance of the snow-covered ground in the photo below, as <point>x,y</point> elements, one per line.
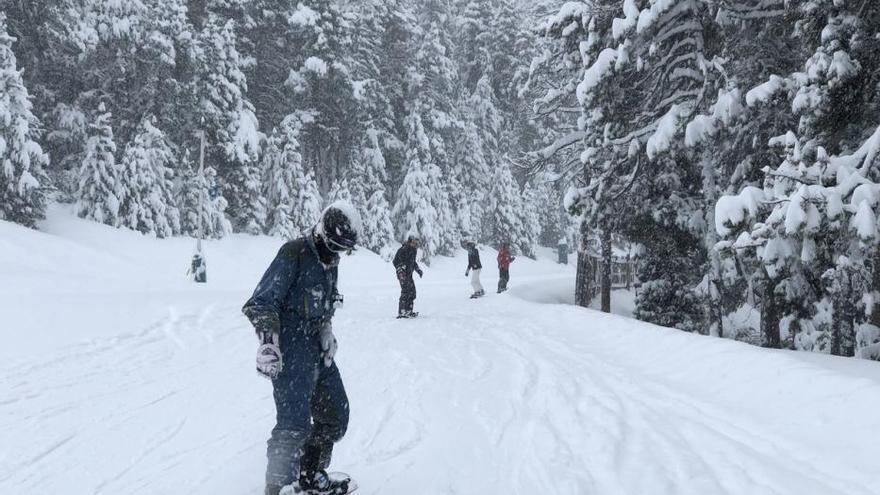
<point>117,375</point>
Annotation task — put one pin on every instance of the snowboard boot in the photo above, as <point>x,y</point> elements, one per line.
<point>319,483</point>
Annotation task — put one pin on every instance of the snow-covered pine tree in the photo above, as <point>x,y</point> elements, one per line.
<point>148,204</point>
<point>551,215</point>
<point>368,185</point>
<point>99,193</point>
<point>433,82</point>
<point>339,191</point>
<point>293,198</point>
<point>554,76</point>
<point>505,211</point>
<point>486,117</point>
<point>309,204</point>
<point>279,192</point>
<point>416,211</point>
<point>644,73</point>
<point>812,242</point>
<point>202,204</point>
<point>531,219</point>
<point>22,177</point>
<point>230,123</point>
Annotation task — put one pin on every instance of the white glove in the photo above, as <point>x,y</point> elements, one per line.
<point>328,343</point>
<point>269,362</point>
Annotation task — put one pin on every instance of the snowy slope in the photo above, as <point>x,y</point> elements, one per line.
<point>119,376</point>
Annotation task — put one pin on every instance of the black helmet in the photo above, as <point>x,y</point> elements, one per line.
<point>340,226</point>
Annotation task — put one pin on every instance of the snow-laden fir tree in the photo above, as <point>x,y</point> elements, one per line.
<point>202,204</point>
<point>486,118</point>
<point>813,231</point>
<point>470,182</point>
<point>505,211</point>
<point>415,211</point>
<point>551,215</point>
<point>291,195</point>
<point>644,73</point>
<point>100,193</point>
<point>283,165</point>
<point>231,125</point>
<point>145,176</point>
<point>368,185</point>
<point>339,191</point>
<point>309,203</point>
<point>22,179</point>
<point>432,87</point>
<point>531,218</point>
<point>279,183</point>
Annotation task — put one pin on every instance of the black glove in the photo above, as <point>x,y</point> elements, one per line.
<point>419,272</point>
<point>467,273</point>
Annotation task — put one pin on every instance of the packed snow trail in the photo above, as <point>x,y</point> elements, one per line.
<point>501,395</point>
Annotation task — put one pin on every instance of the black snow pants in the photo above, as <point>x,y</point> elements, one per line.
<point>503,278</point>
<point>407,292</point>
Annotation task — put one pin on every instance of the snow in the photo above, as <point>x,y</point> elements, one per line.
<point>650,15</point>
<point>662,138</point>
<point>567,12</point>
<point>733,210</point>
<point>865,222</point>
<point>120,376</point>
<point>765,91</point>
<point>316,65</point>
<point>595,73</point>
<point>619,27</point>
<point>303,16</point>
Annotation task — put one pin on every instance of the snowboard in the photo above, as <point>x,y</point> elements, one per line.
<point>406,317</point>
<point>477,296</point>
<point>334,475</point>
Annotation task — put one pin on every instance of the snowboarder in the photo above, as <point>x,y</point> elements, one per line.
<point>291,310</point>
<point>405,264</point>
<point>504,261</point>
<point>473,269</point>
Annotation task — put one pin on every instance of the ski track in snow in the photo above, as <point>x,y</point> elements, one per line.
<point>496,395</point>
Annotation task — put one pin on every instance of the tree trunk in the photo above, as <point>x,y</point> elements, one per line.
<point>875,288</point>
<point>583,283</point>
<point>606,271</point>
<point>835,327</point>
<point>713,309</point>
<point>770,315</point>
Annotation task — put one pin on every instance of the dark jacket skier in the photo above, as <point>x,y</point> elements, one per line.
<point>404,265</point>
<point>474,267</point>
<point>291,310</point>
<point>504,261</point>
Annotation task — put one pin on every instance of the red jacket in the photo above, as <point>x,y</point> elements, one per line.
<point>504,259</point>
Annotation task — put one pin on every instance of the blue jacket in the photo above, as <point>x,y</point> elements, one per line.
<point>297,292</point>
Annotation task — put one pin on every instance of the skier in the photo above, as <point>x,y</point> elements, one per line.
<point>405,264</point>
<point>504,261</point>
<point>474,268</point>
<point>291,310</point>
